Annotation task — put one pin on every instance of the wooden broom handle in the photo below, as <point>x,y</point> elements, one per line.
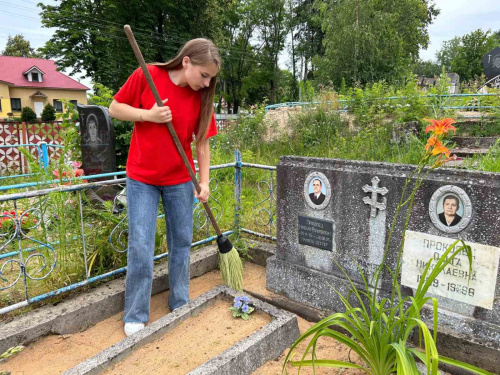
<point>159,102</point>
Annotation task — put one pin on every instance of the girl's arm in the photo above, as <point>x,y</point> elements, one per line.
<point>203,156</point>
<point>125,112</point>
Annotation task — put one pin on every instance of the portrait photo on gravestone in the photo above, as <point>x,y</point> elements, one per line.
<point>317,190</point>
<point>450,209</point>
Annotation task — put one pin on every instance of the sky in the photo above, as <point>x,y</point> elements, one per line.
<point>457,17</point>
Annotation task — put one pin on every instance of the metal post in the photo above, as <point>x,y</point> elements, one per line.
<point>237,189</point>
<point>45,156</point>
<point>82,228</point>
<point>271,191</point>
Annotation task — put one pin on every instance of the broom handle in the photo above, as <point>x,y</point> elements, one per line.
<point>159,102</point>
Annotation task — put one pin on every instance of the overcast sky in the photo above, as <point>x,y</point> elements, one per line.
<point>457,17</point>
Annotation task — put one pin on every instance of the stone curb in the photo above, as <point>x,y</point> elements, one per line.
<point>242,358</point>
<point>86,309</point>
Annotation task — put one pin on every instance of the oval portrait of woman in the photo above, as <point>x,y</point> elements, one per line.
<point>450,209</point>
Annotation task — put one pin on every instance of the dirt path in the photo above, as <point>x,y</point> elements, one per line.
<point>55,354</point>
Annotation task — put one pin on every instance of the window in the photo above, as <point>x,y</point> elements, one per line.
<point>15,104</point>
<point>58,105</point>
<point>74,102</point>
<point>34,77</point>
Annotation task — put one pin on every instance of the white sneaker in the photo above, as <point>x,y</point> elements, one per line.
<point>131,328</point>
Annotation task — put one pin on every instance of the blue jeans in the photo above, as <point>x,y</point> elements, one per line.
<point>142,202</point>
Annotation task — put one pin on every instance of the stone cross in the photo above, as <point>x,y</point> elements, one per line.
<point>375,190</point>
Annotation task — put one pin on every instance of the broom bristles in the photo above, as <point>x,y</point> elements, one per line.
<point>231,269</point>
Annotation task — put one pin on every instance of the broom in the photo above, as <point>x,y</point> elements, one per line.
<point>229,261</point>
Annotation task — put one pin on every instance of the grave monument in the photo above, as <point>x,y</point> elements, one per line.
<point>97,140</point>
<point>350,226</point>
<point>491,65</point>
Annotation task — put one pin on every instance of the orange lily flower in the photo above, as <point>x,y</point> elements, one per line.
<point>436,147</point>
<point>431,142</point>
<point>440,126</point>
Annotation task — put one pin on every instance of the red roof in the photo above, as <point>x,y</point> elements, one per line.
<point>12,69</point>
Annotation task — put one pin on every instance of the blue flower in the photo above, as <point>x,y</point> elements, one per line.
<point>237,299</point>
<point>238,304</point>
<point>245,308</point>
<point>245,299</point>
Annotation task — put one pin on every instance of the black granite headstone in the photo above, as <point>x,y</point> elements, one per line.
<point>97,140</point>
<point>491,63</point>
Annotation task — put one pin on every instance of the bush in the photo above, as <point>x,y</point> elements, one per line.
<point>48,113</point>
<point>28,115</point>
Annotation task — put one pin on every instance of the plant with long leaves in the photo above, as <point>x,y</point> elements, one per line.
<point>379,329</point>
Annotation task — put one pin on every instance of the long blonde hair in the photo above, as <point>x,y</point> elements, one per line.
<point>200,51</point>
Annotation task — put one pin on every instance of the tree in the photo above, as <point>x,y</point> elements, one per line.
<point>272,32</point>
<point>18,46</point>
<point>448,52</point>
<point>426,68</point>
<point>238,54</point>
<point>372,40</point>
<point>89,35</point>
<point>463,55</point>
<point>28,115</point>
<point>48,113</point>
<point>309,35</point>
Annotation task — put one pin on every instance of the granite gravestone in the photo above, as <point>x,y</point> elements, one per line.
<point>360,205</point>
<point>491,65</point>
<point>97,140</point>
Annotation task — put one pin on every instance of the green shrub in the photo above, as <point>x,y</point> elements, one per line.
<point>48,113</point>
<point>28,115</point>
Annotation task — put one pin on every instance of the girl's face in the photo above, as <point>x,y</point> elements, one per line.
<point>198,76</point>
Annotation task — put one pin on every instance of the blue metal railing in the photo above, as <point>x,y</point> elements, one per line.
<point>346,102</point>
<point>44,250</point>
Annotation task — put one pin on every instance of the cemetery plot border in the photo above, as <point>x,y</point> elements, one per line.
<point>242,358</point>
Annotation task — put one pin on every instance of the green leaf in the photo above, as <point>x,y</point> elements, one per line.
<point>453,362</point>
<point>328,363</point>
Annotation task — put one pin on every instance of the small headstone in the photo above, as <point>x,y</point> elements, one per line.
<point>454,87</point>
<point>97,140</point>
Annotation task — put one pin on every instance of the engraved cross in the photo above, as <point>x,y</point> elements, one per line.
<point>375,190</point>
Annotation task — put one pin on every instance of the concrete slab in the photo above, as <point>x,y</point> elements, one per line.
<point>242,358</point>
<point>86,309</point>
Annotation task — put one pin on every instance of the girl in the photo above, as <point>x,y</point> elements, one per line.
<point>155,168</point>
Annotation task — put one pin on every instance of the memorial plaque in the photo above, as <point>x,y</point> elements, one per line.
<point>316,232</point>
<point>453,282</point>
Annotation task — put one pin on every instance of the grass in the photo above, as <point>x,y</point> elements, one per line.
<point>315,132</point>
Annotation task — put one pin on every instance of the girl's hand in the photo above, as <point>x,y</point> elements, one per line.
<point>204,192</point>
<point>159,114</point>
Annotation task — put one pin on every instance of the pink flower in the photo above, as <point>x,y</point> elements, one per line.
<point>75,164</point>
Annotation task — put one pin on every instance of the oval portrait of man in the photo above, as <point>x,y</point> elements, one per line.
<point>317,190</point>
<point>450,209</point>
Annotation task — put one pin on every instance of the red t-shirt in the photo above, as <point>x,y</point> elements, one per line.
<point>153,158</point>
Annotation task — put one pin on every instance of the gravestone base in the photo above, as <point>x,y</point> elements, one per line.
<point>460,337</point>
<point>305,285</point>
